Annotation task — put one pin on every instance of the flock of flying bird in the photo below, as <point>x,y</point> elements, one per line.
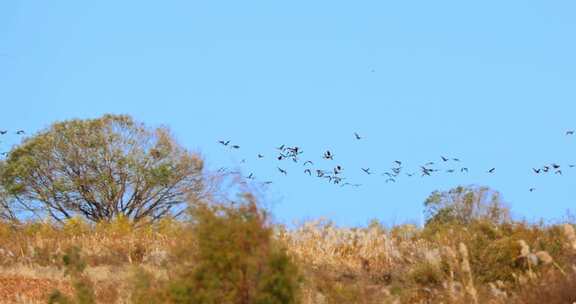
<point>334,175</point>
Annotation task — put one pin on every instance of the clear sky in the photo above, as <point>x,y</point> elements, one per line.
<point>490,82</point>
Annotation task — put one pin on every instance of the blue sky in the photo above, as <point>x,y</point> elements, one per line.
<point>489,82</point>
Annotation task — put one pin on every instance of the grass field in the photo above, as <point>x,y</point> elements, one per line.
<point>481,263</point>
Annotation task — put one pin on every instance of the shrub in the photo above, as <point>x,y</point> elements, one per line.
<point>228,257</point>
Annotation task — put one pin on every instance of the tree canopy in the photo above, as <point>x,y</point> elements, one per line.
<point>462,205</point>
<point>101,168</point>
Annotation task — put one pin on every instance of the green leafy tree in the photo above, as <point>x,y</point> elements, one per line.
<point>101,168</point>
<point>462,205</point>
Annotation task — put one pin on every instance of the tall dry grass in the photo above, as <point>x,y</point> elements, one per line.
<point>479,263</point>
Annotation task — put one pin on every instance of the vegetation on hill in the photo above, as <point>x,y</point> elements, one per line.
<point>109,193</point>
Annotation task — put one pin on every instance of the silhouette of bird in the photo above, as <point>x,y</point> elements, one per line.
<point>308,162</point>
<point>456,159</point>
<point>546,169</point>
<point>555,166</point>
<point>235,147</point>
<point>2,132</point>
<point>307,171</point>
<point>572,166</point>
<point>450,171</point>
<point>358,137</point>
<point>444,158</point>
<point>492,170</point>
<point>328,155</point>
<point>366,170</point>
<point>570,132</point>
<point>336,180</point>
<point>532,189</point>
<point>399,163</point>
<point>464,170</point>
<point>251,176</point>
<point>282,171</point>
<point>337,170</point>
<point>537,171</point>
<point>20,132</point>
<point>267,183</point>
<point>281,148</point>
<point>225,143</point>
<point>320,173</point>
<point>260,156</point>
<point>559,172</point>
<point>426,171</point>
<point>390,180</point>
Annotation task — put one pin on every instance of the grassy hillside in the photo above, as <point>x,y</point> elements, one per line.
<point>477,263</point>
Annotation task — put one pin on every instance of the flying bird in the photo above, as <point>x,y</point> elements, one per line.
<point>426,171</point>
<point>399,163</point>
<point>492,170</point>
<point>328,155</point>
<point>307,171</point>
<point>282,171</point>
<point>337,170</point>
<point>390,180</point>
<point>444,158</point>
<point>235,147</point>
<point>225,143</point>
<point>570,132</point>
<point>2,132</point>
<point>464,170</point>
<point>308,162</point>
<point>531,189</point>
<point>358,137</point>
<point>537,171</point>
<point>20,132</point>
<point>366,170</point>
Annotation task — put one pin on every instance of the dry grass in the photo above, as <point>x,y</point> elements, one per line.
<point>476,264</point>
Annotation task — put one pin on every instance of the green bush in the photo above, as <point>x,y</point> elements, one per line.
<point>230,257</point>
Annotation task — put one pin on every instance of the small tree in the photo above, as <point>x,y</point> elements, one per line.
<point>463,205</point>
<point>101,168</point>
<point>234,259</point>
